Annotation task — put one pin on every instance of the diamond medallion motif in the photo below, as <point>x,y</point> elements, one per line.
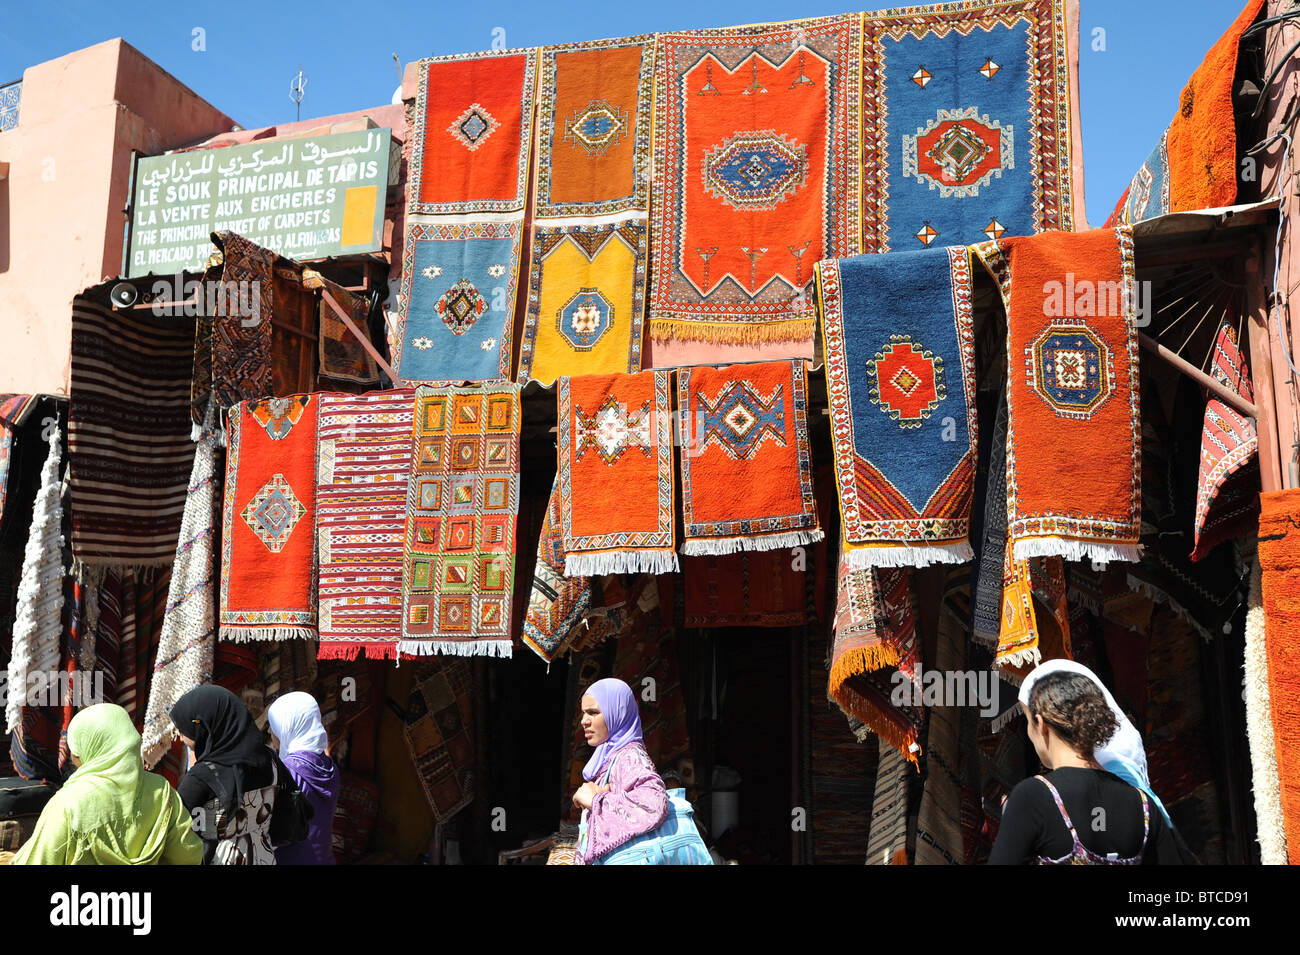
<point>460,307</point>
<point>273,513</point>
<point>755,170</point>
<point>472,127</point>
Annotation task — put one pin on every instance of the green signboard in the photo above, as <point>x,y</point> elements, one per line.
<point>304,198</point>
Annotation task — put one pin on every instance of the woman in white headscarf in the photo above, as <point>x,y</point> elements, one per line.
<point>1123,754</point>
<point>303,743</point>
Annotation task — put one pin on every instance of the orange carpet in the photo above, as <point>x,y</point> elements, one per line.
<point>1279,559</point>
<point>1203,136</point>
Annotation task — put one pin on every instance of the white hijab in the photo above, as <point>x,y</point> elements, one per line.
<point>295,720</point>
<point>1125,745</point>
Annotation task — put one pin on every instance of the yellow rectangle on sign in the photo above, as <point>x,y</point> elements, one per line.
<point>359,215</point>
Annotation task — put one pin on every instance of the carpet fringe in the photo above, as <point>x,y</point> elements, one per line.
<point>717,546</point>
<point>1004,719</point>
<point>1094,551</point>
<point>468,648</point>
<point>854,705</point>
<point>1159,596</point>
<point>621,562</point>
<point>911,555</point>
<point>757,333</point>
<point>254,634</point>
<point>1029,656</point>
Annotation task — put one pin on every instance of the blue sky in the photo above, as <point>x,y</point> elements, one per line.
<point>1129,89</point>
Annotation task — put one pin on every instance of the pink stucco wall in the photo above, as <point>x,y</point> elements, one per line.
<point>61,203</point>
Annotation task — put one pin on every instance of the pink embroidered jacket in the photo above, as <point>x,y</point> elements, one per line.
<point>637,803</point>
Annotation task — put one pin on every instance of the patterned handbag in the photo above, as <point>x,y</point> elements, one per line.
<point>675,842</point>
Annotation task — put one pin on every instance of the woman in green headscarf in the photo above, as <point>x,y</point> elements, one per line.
<point>110,811</point>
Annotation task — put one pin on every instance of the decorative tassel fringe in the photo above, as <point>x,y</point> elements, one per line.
<point>254,634</point>
<point>861,660</point>
<point>854,705</point>
<point>1265,783</point>
<point>714,546</point>
<point>1029,656</point>
<point>755,333</point>
<point>196,432</point>
<point>468,648</point>
<point>621,562</point>
<point>156,744</point>
<point>912,555</point>
<point>1076,550</point>
<point>1159,596</point>
<point>90,573</point>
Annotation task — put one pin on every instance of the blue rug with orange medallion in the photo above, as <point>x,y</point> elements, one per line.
<point>900,377</point>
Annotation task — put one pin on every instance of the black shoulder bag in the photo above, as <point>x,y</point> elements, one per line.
<point>292,812</point>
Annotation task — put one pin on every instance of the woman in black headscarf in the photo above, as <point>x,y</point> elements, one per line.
<point>230,790</point>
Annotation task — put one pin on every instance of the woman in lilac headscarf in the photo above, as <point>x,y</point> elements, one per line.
<point>623,796</point>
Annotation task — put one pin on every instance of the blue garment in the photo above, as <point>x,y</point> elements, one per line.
<point>676,842</point>
<point>319,779</point>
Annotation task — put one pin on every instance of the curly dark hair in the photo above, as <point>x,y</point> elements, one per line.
<point>1073,706</point>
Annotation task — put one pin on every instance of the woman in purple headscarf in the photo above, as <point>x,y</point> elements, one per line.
<point>623,796</point>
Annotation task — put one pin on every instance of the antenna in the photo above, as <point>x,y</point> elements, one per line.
<point>297,90</point>
<point>398,63</point>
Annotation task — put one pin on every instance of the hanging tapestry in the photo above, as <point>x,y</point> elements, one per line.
<point>1227,491</point>
<point>556,604</point>
<point>268,544</point>
<point>458,287</point>
<point>938,822</point>
<point>1147,195</point>
<point>970,123</point>
<point>471,132</point>
<point>189,632</point>
<point>1035,615</point>
<point>362,469</point>
<point>900,378</point>
<point>1202,138</point>
<point>615,464</point>
<point>748,589</point>
<point>14,410</point>
<point>1072,393</point>
<point>342,356</point>
<point>756,161</point>
<point>746,474</point>
<point>586,299</point>
<point>129,447</point>
<point>875,653</point>
<point>462,502</point>
<point>440,734</point>
<point>586,296</point>
<point>38,615</point>
<point>887,844</point>
<point>593,128</point>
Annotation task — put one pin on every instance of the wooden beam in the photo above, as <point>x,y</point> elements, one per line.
<point>1262,366</point>
<point>1191,371</point>
<point>365,341</point>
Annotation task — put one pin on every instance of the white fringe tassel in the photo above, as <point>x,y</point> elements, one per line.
<point>254,634</point>
<point>621,562</point>
<point>912,555</point>
<point>713,546</point>
<point>467,648</point>
<point>1259,733</point>
<point>1005,718</point>
<point>1027,656</point>
<point>1101,554</point>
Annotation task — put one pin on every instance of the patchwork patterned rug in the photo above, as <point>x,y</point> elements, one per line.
<point>440,734</point>
<point>462,502</point>
<point>1073,404</point>
<point>470,146</point>
<point>239,362</point>
<point>129,447</point>
<point>586,296</point>
<point>900,378</point>
<point>746,474</point>
<point>970,123</point>
<point>362,468</point>
<point>875,650</point>
<point>556,604</point>
<point>756,148</point>
<point>1227,491</point>
<point>615,465</point>
<point>268,546</point>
